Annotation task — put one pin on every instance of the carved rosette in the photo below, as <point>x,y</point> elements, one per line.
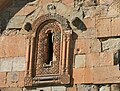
<point>37,52</point>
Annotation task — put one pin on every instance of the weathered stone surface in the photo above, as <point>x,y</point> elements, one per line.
<point>19,64</point>
<point>16,22</point>
<point>3,78</point>
<point>104,27</point>
<point>79,61</point>
<point>44,89</point>
<point>115,87</point>
<point>21,79</point>
<point>12,79</point>
<point>88,75</point>
<point>106,74</point>
<point>12,46</point>
<point>83,75</point>
<point>111,44</point>
<point>5,65</point>
<point>105,88</point>
<point>78,75</point>
<point>59,88</point>
<point>115,27</point>
<point>12,64</point>
<point>13,89</point>
<point>26,10</point>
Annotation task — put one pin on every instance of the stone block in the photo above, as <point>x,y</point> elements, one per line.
<point>92,59</point>
<point>45,89</point>
<point>106,2</point>
<point>3,79</point>
<point>14,89</point>
<point>72,88</point>
<point>26,10</point>
<point>21,79</point>
<point>106,74</point>
<point>115,27</point>
<point>59,88</point>
<point>106,59</point>
<point>83,45</point>
<point>89,23</point>
<point>111,44</point>
<point>12,79</point>
<point>68,2</point>
<point>79,61</point>
<point>78,75</point>
<point>13,46</point>
<point>115,87</point>
<point>16,22</point>
<point>19,64</point>
<point>88,75</point>
<point>104,27</point>
<point>5,65</point>
<point>99,59</point>
<point>95,45</point>
<point>84,87</point>
<point>105,88</point>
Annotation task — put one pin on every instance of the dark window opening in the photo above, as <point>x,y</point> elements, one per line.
<point>50,48</point>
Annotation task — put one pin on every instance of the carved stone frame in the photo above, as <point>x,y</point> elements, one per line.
<point>63,77</point>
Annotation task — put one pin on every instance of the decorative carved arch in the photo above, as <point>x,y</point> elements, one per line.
<point>56,72</point>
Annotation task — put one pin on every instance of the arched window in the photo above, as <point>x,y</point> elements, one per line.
<point>48,52</point>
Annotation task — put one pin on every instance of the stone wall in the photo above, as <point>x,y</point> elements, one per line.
<point>94,47</point>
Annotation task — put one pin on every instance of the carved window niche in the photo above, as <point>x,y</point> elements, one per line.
<point>48,52</point>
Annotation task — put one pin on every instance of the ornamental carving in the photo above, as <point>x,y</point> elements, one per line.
<point>48,52</point>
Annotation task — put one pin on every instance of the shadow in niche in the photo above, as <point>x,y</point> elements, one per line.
<point>10,11</point>
<point>79,24</point>
<point>71,55</point>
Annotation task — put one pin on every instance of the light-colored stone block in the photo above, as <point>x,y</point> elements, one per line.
<point>44,89</point>
<point>5,65</point>
<point>59,88</point>
<point>105,88</point>
<point>19,64</point>
<point>79,61</point>
<point>16,22</point>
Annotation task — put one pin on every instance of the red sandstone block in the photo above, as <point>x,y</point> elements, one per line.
<point>92,59</point>
<point>107,74</point>
<point>99,59</point>
<point>83,45</point>
<point>115,27</point>
<point>89,23</point>
<point>21,79</point>
<point>106,59</point>
<point>12,46</point>
<point>88,75</point>
<point>83,75</point>
<point>68,2</point>
<point>3,79</point>
<point>43,2</point>
<point>103,27</point>
<point>78,75</point>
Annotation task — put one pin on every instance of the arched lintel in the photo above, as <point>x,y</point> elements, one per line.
<point>48,17</point>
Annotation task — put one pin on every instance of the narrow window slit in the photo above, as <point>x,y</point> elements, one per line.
<point>50,48</point>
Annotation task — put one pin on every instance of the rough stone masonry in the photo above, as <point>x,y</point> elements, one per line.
<point>59,45</point>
